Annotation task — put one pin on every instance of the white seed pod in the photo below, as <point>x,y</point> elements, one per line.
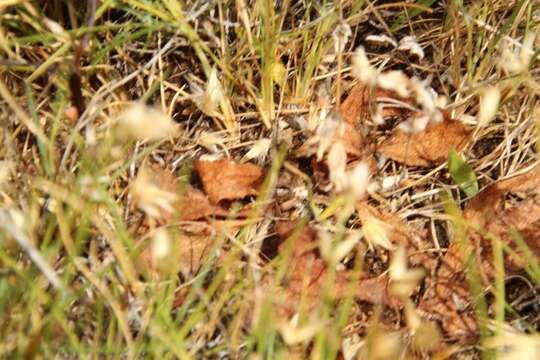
<point>259,150</point>
<point>142,122</point>
<point>396,81</point>
<point>376,232</point>
<point>161,244</point>
<point>359,179</point>
<point>149,197</point>
<point>381,39</point>
<point>362,68</point>
<point>410,44</point>
<point>404,280</point>
<point>337,163</point>
<point>489,105</point>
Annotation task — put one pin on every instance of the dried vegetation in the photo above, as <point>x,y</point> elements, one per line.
<point>251,179</point>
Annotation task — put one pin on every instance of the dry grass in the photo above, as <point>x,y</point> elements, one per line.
<point>230,73</point>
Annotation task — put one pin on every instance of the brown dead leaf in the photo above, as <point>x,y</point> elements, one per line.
<point>188,252</point>
<point>509,204</point>
<point>307,273</point>
<point>392,108</point>
<point>427,148</point>
<point>190,249</point>
<point>195,205</point>
<point>345,132</point>
<point>416,241</point>
<point>192,205</point>
<point>447,298</point>
<point>351,139</point>
<point>228,180</point>
<point>355,108</point>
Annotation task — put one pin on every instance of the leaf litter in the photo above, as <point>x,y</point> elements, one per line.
<point>446,297</point>
<point>225,179</point>
<point>306,275</point>
<point>413,267</point>
<point>427,148</point>
<point>493,213</point>
<point>199,223</point>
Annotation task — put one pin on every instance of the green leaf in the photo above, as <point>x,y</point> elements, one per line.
<point>411,13</point>
<point>462,174</point>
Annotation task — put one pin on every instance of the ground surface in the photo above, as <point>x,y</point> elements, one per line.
<point>260,179</point>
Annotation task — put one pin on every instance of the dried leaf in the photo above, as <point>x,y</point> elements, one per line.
<point>307,273</point>
<point>321,142</point>
<point>355,108</point>
<point>193,204</point>
<point>189,250</point>
<point>351,139</point>
<point>228,180</point>
<point>187,253</point>
<point>427,148</point>
<point>490,211</point>
<point>356,105</point>
<point>448,300</point>
<point>447,297</point>
<point>390,102</point>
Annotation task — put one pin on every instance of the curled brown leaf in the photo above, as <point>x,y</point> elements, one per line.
<point>307,270</point>
<point>426,148</point>
<point>228,180</point>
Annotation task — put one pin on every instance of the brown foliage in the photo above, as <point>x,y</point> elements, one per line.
<point>512,204</point>
<point>351,139</point>
<point>228,180</point>
<point>447,296</point>
<point>427,148</point>
<point>356,107</point>
<point>188,253</point>
<point>195,205</point>
<point>192,205</point>
<point>306,275</point>
<point>191,247</point>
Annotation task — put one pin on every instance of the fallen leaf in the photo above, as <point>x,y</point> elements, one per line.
<point>507,205</point>
<point>351,139</point>
<point>483,207</point>
<point>228,180</point>
<point>192,205</point>
<point>355,108</point>
<point>390,103</point>
<point>426,148</point>
<point>195,205</point>
<point>345,133</point>
<point>306,275</point>
<point>447,298</point>
<point>187,253</point>
<point>189,250</point>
